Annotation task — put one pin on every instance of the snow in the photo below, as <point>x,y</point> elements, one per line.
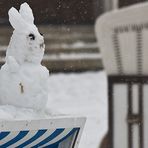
<point>26,44</point>
<point>79,45</point>
<point>72,56</point>
<point>23,80</point>
<point>27,91</point>
<point>25,87</point>
<point>83,94</point>
<point>9,112</point>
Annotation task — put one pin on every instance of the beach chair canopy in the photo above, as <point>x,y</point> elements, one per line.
<point>123,40</point>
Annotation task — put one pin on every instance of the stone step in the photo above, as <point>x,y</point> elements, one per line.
<point>82,65</point>
<point>74,62</point>
<point>78,47</point>
<point>55,34</point>
<point>73,65</point>
<point>80,50</point>
<point>4,40</point>
<point>71,29</point>
<point>76,30</point>
<point>67,41</point>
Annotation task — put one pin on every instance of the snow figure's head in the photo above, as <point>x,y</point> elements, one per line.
<point>27,44</point>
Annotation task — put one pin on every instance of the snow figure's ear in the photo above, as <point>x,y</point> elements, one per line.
<point>26,13</point>
<point>16,19</point>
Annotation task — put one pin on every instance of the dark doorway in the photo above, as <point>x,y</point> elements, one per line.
<point>123,3</point>
<point>57,11</point>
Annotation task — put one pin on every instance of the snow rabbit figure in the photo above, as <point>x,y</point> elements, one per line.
<point>23,80</point>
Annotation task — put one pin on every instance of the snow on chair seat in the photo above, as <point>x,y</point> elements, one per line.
<point>123,40</point>
<point>51,133</point>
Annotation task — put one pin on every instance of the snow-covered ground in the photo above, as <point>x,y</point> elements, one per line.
<point>82,94</point>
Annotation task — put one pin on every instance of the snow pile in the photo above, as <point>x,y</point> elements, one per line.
<point>9,112</point>
<point>23,80</point>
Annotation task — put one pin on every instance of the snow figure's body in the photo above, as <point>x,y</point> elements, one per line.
<point>23,80</point>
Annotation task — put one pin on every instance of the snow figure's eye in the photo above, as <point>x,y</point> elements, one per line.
<point>41,34</point>
<point>32,36</point>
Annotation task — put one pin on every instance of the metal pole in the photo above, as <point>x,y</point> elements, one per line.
<point>107,5</point>
<point>110,5</point>
<point>115,4</point>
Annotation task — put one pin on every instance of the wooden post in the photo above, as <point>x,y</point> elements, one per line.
<point>132,106</point>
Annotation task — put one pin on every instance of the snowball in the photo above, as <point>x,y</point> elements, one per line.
<point>28,87</point>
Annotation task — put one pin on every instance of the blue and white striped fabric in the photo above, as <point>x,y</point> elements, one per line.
<point>36,139</point>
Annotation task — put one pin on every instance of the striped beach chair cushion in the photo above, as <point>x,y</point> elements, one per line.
<point>58,137</point>
<point>41,138</point>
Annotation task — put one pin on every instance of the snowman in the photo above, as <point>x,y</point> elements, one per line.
<point>23,80</point>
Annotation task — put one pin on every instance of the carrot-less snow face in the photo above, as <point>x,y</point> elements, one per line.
<point>27,44</point>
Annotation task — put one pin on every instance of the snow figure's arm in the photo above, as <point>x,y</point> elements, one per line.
<point>12,64</point>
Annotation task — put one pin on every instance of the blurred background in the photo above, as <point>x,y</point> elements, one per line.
<point>68,29</point>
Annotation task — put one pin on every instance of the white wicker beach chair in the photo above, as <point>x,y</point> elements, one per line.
<point>123,39</point>
<point>49,133</point>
